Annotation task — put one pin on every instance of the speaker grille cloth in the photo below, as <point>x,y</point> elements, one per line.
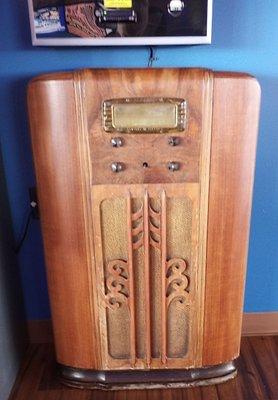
<point>114,246</point>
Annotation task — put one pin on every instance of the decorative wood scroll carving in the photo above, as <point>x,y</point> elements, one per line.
<point>155,231</point>
<point>147,228</point>
<point>177,281</point>
<point>137,228</point>
<point>116,283</point>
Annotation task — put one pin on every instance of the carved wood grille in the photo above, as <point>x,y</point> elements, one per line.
<point>146,293</point>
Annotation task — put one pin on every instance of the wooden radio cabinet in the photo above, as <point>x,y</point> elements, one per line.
<point>145,185</point>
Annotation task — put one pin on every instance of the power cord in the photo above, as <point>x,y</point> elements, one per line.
<point>33,214</point>
<point>152,56</point>
<point>24,233</point>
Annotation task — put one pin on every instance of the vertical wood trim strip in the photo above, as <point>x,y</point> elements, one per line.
<point>131,283</point>
<point>163,279</point>
<point>147,278</point>
<point>204,200</point>
<point>100,281</point>
<point>86,171</point>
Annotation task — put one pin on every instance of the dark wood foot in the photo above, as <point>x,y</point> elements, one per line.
<point>146,379</point>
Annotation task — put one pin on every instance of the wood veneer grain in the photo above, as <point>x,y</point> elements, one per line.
<point>72,157</point>
<point>234,137</point>
<point>53,122</point>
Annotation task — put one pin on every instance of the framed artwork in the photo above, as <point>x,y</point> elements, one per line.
<point>120,22</point>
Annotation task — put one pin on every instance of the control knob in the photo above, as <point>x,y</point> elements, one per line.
<point>117,167</point>
<point>173,166</point>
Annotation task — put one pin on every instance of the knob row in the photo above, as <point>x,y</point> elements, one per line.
<point>118,166</point>
<point>119,142</point>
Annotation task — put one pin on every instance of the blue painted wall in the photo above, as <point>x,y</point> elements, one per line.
<point>245,39</point>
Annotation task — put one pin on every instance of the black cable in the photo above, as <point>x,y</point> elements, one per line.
<point>152,57</point>
<point>24,234</point>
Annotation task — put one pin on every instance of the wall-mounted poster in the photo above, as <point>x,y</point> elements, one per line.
<point>120,22</point>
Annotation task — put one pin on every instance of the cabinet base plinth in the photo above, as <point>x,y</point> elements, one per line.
<point>146,379</point>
